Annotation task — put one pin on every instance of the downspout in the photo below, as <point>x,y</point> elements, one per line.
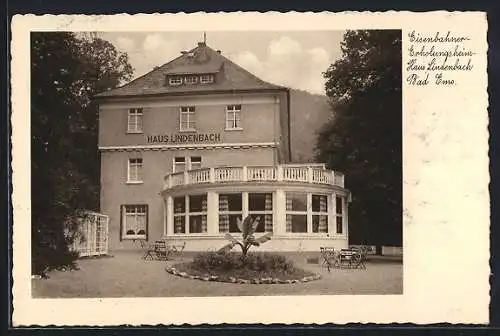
<point>277,157</point>
<point>289,126</point>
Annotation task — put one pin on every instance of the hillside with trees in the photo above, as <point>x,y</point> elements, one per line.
<point>308,113</point>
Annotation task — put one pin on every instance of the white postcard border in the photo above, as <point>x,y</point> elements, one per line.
<point>446,228</point>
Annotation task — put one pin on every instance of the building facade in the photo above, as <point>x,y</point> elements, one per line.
<point>199,142</point>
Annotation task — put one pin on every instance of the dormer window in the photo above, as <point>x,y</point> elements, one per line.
<point>206,79</point>
<point>191,80</point>
<point>175,80</point>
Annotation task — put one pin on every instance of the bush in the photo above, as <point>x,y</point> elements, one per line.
<point>260,262</point>
<point>214,260</point>
<point>47,257</point>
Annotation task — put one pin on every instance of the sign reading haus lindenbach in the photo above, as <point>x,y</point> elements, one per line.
<point>183,138</point>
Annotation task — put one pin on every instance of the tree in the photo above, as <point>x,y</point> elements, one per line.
<point>364,138</point>
<point>65,72</point>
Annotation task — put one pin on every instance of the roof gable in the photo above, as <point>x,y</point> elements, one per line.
<point>200,60</point>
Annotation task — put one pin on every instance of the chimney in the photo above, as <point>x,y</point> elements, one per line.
<point>184,52</point>
<point>202,44</point>
<point>218,51</point>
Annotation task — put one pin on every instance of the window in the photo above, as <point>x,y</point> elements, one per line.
<point>197,213</point>
<point>190,214</point>
<point>179,164</point>
<point>134,124</point>
<point>306,213</point>
<point>206,79</point>
<point>134,170</point>
<point>190,80</point>
<point>187,122</point>
<point>261,205</point>
<point>339,216</point>
<point>296,212</point>
<point>230,209</point>
<point>134,221</point>
<point>175,80</point>
<point>182,163</point>
<point>180,214</point>
<point>233,117</point>
<point>319,213</point>
<point>195,162</point>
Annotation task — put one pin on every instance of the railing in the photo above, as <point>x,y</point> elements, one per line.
<point>228,174</point>
<point>287,173</point>
<point>261,173</point>
<point>319,176</point>
<point>177,179</point>
<point>299,174</point>
<point>199,176</point>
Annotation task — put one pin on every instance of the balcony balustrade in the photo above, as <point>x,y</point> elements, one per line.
<point>279,173</point>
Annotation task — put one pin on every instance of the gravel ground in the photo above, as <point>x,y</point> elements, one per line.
<point>127,275</point>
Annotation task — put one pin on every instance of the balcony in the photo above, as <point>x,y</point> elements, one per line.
<point>314,174</point>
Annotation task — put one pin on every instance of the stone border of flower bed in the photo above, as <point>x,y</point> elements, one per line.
<point>257,281</point>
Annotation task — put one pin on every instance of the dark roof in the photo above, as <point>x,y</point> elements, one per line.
<point>200,60</point>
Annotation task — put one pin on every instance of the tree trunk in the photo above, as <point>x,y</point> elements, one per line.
<point>244,249</point>
<point>378,250</point>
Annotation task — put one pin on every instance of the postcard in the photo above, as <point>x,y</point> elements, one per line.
<point>250,168</point>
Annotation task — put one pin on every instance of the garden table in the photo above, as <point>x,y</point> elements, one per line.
<point>350,258</point>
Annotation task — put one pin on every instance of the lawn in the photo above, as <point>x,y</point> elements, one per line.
<point>127,275</point>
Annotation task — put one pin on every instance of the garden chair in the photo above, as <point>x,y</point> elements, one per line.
<point>176,248</point>
<point>363,251</point>
<point>328,255</point>
<point>149,250</point>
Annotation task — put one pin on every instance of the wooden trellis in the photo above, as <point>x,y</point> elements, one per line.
<point>93,239</point>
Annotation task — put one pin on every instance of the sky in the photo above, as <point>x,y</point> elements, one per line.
<point>295,59</point>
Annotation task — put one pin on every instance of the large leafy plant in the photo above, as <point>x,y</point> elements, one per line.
<point>247,228</point>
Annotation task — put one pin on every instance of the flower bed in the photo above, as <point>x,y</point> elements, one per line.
<point>255,268</point>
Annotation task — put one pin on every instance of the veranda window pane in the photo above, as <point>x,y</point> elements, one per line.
<point>263,222</point>
<point>339,204</point>
<point>319,203</point>
<point>179,205</point>
<point>233,223</point>
<point>198,203</point>
<point>197,224</point>
<point>223,223</point>
<point>230,202</point>
<point>339,224</point>
<point>179,224</point>
<point>260,202</point>
<point>298,223</point>
<point>320,223</point>
<point>296,202</point>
